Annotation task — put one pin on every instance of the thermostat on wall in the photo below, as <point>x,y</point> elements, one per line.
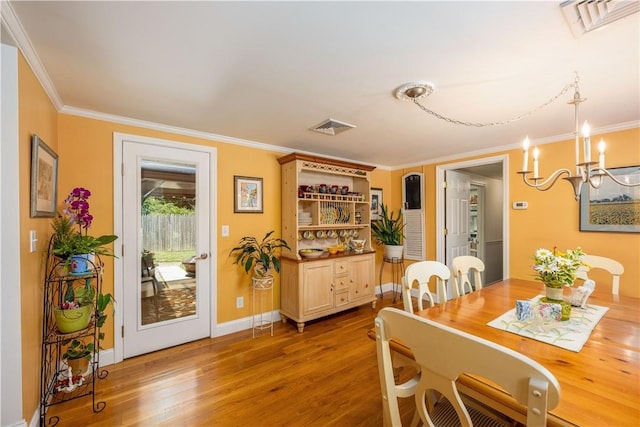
<point>520,205</point>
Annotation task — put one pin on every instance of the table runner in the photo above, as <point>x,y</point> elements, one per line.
<point>570,335</point>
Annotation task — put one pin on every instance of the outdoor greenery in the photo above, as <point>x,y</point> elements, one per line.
<point>158,206</point>
<point>172,256</point>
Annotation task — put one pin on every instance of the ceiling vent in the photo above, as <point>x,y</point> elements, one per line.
<point>588,15</point>
<point>332,127</point>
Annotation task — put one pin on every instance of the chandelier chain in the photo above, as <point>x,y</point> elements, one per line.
<point>513,119</point>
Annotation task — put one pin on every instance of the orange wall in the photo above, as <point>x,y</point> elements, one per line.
<point>36,115</point>
<point>89,143</point>
<point>552,218</point>
<point>85,147</point>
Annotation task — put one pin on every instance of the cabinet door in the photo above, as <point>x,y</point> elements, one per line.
<point>317,286</point>
<point>361,273</point>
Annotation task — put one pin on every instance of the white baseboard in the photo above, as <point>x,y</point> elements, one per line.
<point>388,287</point>
<point>238,325</point>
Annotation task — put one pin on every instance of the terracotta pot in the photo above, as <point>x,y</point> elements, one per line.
<point>78,366</point>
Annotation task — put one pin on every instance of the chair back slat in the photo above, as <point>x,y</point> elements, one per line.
<point>444,353</point>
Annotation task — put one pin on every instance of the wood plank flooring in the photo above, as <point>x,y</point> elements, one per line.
<point>326,376</point>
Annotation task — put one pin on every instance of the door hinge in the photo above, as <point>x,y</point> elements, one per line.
<point>445,232</point>
<point>122,332</point>
<point>122,250</point>
<point>444,184</point>
<point>122,169</point>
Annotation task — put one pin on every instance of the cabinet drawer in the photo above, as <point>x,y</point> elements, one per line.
<point>342,282</point>
<point>342,298</point>
<point>341,267</point>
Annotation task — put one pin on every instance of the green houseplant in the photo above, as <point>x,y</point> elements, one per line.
<point>388,231</point>
<point>75,244</point>
<point>262,255</point>
<point>78,355</point>
<point>72,243</point>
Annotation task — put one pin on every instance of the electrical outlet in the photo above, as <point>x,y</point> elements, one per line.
<point>239,302</point>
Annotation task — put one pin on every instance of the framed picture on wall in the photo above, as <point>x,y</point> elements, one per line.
<point>44,179</point>
<point>611,206</point>
<point>376,203</point>
<point>247,195</point>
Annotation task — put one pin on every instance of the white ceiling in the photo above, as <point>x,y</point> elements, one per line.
<point>266,72</point>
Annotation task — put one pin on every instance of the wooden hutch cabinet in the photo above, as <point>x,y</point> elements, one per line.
<point>325,203</point>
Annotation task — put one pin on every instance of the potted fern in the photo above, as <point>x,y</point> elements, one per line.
<point>388,231</point>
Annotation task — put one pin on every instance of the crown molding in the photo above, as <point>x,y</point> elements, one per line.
<point>14,27</point>
<point>194,133</point>
<point>516,145</point>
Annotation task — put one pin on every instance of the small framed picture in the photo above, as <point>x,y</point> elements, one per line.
<point>376,203</point>
<point>247,195</point>
<point>44,179</point>
<point>611,206</point>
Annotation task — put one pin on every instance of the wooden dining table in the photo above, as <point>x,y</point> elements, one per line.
<point>600,384</point>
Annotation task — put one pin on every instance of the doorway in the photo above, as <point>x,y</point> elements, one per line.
<point>165,281</point>
<point>490,175</point>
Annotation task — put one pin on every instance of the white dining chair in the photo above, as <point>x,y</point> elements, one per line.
<point>419,274</point>
<point>612,266</point>
<point>461,268</point>
<point>445,353</point>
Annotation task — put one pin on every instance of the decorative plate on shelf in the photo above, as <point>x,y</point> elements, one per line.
<point>311,253</point>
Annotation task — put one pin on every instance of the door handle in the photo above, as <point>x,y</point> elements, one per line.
<point>203,255</point>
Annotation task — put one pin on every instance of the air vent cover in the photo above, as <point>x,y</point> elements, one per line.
<point>588,15</point>
<point>332,127</point>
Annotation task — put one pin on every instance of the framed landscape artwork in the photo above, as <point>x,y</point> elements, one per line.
<point>376,202</point>
<point>611,206</point>
<point>44,179</point>
<point>247,194</point>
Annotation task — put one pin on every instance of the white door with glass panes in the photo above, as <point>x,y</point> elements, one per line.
<point>167,226</point>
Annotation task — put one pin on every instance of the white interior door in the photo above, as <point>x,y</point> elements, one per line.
<point>457,194</point>
<point>165,301</point>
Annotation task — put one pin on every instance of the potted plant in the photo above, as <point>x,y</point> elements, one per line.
<point>78,355</point>
<point>261,255</point>
<point>75,246</point>
<point>557,270</point>
<point>74,314</point>
<point>388,231</point>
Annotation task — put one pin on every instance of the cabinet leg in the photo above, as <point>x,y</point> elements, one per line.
<point>283,318</point>
<point>300,327</point>
<point>373,304</point>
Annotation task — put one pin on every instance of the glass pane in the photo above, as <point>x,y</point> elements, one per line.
<point>168,207</point>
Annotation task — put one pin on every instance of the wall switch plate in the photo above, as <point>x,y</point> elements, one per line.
<point>33,241</point>
<point>239,302</point>
<point>520,205</point>
<point>225,231</point>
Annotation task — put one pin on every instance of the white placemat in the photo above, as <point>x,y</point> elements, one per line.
<point>570,334</point>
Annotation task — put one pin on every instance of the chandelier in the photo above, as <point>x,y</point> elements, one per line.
<point>586,171</point>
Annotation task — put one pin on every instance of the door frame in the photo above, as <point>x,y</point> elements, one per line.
<point>441,204</point>
<point>118,286</point>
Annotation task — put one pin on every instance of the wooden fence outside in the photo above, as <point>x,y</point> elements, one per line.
<point>168,233</point>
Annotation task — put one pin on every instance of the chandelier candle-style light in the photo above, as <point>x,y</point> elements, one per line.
<point>587,171</point>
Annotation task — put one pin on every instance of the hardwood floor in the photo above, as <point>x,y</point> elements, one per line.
<point>325,376</point>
